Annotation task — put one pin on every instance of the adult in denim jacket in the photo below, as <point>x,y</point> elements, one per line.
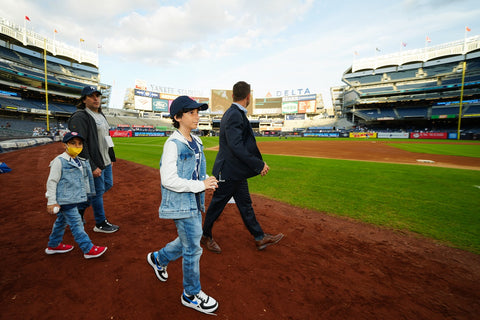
<point>184,181</point>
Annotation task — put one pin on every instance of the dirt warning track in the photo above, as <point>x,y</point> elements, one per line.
<point>325,268</point>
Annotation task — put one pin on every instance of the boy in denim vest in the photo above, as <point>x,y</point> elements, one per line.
<point>69,183</point>
<point>184,181</point>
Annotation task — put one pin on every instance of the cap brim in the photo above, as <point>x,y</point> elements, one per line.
<point>65,141</point>
<point>201,106</point>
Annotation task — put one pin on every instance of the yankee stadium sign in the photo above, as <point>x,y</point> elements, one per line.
<point>180,92</point>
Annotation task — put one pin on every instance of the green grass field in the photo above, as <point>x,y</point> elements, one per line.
<point>465,150</point>
<point>439,203</point>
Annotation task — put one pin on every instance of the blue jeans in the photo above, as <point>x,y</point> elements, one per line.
<point>102,185</point>
<point>72,218</point>
<point>186,245</point>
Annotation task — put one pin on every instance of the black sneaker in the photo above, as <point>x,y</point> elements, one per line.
<point>200,302</point>
<point>160,271</point>
<point>105,227</point>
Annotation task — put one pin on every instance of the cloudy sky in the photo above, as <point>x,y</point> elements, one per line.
<point>211,44</point>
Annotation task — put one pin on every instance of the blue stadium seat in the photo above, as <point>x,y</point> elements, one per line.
<point>412,112</point>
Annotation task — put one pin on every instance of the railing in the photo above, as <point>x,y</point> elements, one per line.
<point>425,54</point>
<point>28,37</point>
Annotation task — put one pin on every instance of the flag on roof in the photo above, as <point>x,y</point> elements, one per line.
<point>468,29</point>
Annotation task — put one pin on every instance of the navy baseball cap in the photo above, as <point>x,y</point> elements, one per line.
<point>185,103</point>
<point>70,135</point>
<point>88,90</point>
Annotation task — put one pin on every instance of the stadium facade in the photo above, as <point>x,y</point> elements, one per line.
<point>289,114</point>
<point>427,88</point>
<point>25,58</point>
<point>433,88</point>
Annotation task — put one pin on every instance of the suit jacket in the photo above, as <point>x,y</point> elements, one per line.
<point>238,157</point>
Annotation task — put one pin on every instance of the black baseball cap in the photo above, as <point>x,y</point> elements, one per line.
<point>185,103</point>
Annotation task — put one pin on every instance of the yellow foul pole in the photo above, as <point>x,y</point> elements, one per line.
<point>46,81</point>
<point>464,66</point>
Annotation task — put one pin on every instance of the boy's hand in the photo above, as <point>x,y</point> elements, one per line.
<point>211,183</point>
<point>53,208</point>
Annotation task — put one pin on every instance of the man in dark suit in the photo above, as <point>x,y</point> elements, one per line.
<point>237,160</point>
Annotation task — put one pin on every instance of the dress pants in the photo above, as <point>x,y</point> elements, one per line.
<point>238,189</point>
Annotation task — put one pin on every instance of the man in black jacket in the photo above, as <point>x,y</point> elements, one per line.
<point>237,160</point>
<point>90,122</point>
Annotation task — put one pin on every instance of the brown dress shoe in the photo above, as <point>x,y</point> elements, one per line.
<point>268,240</point>
<point>210,244</point>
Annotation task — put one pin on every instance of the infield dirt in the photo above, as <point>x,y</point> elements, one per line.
<point>325,268</point>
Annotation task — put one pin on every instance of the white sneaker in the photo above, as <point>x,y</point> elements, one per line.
<point>200,302</point>
<point>160,271</point>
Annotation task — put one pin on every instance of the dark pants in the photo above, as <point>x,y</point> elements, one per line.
<point>239,190</point>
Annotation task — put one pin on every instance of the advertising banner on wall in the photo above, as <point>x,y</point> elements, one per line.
<point>307,106</point>
<point>140,84</point>
<point>143,103</point>
<point>302,104</point>
<point>393,135</point>
<point>295,116</point>
<point>428,135</point>
<point>221,100</point>
<point>290,107</point>
<point>322,134</point>
<point>145,93</point>
<point>363,135</point>
<point>149,134</point>
<point>120,133</point>
<point>160,105</point>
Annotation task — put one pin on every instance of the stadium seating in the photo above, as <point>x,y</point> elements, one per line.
<point>400,75</point>
<point>37,104</point>
<point>412,112</point>
<point>38,63</point>
<point>472,109</point>
<point>445,111</point>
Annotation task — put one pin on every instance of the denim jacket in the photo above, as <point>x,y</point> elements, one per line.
<point>68,183</point>
<point>176,169</point>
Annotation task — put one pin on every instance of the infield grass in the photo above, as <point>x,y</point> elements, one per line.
<point>439,203</point>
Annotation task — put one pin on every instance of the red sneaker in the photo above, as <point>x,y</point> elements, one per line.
<point>61,248</point>
<point>95,252</point>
